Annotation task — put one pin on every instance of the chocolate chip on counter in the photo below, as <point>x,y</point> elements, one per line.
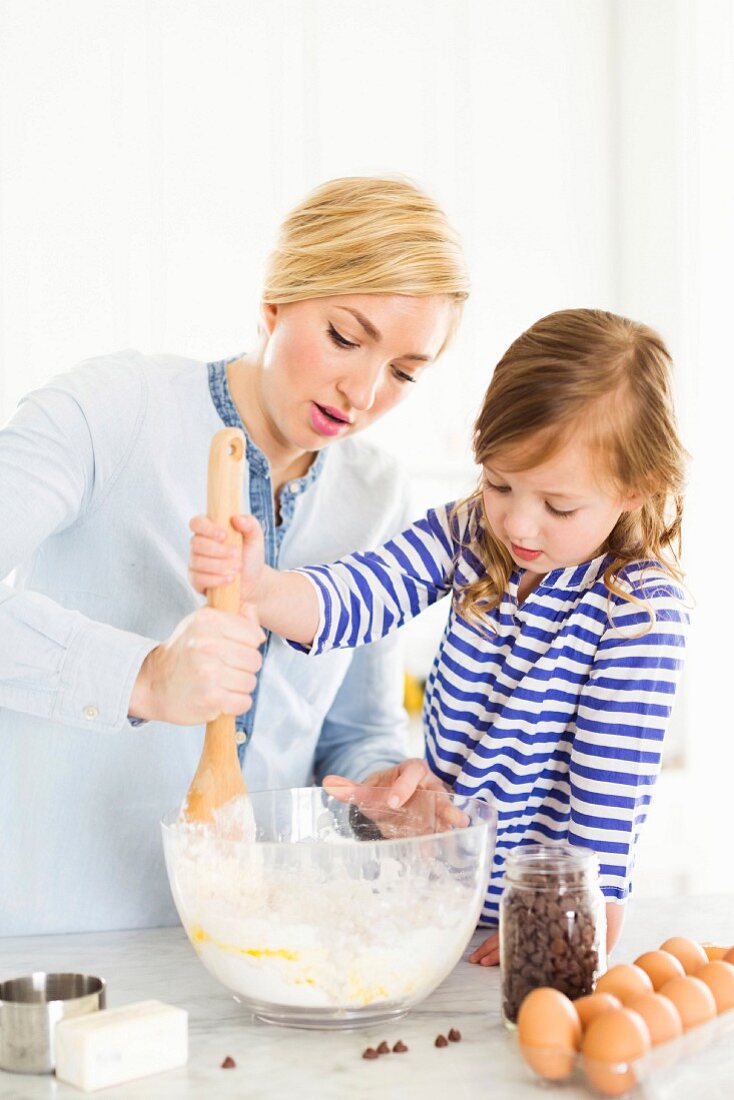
<point>399,1047</point>
<point>383,1048</point>
<point>455,1035</point>
<point>229,1063</point>
<point>441,1041</point>
<point>370,1053</point>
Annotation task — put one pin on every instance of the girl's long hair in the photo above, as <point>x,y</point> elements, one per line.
<point>588,374</point>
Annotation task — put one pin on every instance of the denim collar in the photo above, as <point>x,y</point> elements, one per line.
<point>256,460</point>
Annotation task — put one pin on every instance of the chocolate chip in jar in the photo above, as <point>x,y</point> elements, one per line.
<point>552,924</point>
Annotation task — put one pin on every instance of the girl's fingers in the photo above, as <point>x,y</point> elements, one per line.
<point>451,816</point>
<point>202,525</point>
<point>369,799</point>
<point>409,777</point>
<point>339,787</point>
<point>210,548</point>
<point>246,524</point>
<point>201,581</point>
<point>488,953</point>
<point>215,570</point>
<point>411,773</point>
<point>201,563</point>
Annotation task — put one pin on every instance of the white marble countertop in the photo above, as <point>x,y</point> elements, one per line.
<point>282,1062</point>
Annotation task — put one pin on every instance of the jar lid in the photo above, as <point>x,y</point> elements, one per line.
<point>542,864</point>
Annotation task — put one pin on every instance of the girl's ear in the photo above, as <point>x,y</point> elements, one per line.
<point>268,314</point>
<point>633,501</point>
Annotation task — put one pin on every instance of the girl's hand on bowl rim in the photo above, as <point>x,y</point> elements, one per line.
<point>382,793</point>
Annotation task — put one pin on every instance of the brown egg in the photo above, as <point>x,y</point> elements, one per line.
<point>689,953</point>
<point>729,956</point>
<point>660,967</point>
<point>593,1005</point>
<point>693,999</point>
<point>549,1033</point>
<point>611,1042</point>
<point>713,951</point>
<point>624,981</point>
<point>660,1015</point>
<point>719,977</point>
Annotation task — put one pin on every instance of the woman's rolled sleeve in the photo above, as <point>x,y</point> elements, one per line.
<point>57,664</point>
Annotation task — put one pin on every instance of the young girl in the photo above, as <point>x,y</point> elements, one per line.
<point>554,681</point>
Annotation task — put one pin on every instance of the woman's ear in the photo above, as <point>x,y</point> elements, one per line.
<point>268,314</point>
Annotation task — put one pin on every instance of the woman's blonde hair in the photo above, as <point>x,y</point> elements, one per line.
<point>588,374</point>
<point>364,235</point>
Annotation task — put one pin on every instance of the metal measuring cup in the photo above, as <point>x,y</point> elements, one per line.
<point>31,1007</point>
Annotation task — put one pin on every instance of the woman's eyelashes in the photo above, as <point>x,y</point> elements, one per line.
<point>549,507</point>
<point>341,342</point>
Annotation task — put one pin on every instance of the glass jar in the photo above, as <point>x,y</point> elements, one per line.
<point>552,923</point>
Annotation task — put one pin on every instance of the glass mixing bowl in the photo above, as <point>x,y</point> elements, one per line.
<point>338,914</point>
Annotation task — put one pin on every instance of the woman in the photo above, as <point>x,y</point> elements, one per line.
<point>100,472</point>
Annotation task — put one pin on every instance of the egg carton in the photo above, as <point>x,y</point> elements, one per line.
<point>700,1062</point>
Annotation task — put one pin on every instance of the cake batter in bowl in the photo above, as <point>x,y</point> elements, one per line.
<point>335,915</point>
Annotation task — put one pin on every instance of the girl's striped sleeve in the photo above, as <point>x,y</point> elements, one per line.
<point>368,594</point>
<point>622,717</point>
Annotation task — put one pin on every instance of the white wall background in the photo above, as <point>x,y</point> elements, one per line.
<point>583,148</point>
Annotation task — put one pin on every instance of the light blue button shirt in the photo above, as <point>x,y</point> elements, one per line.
<point>100,472</point>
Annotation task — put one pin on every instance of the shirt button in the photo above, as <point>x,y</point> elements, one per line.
<point>240,737</point>
<point>91,712</point>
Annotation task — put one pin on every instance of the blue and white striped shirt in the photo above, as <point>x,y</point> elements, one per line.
<point>556,712</point>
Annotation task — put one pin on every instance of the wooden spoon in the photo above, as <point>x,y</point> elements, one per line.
<point>219,777</point>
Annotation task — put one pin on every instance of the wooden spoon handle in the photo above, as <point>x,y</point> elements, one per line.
<point>219,777</point>
<point>224,500</point>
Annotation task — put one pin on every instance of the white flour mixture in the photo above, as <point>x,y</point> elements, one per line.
<point>327,923</point>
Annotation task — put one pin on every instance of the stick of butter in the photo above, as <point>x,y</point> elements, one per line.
<point>119,1044</point>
